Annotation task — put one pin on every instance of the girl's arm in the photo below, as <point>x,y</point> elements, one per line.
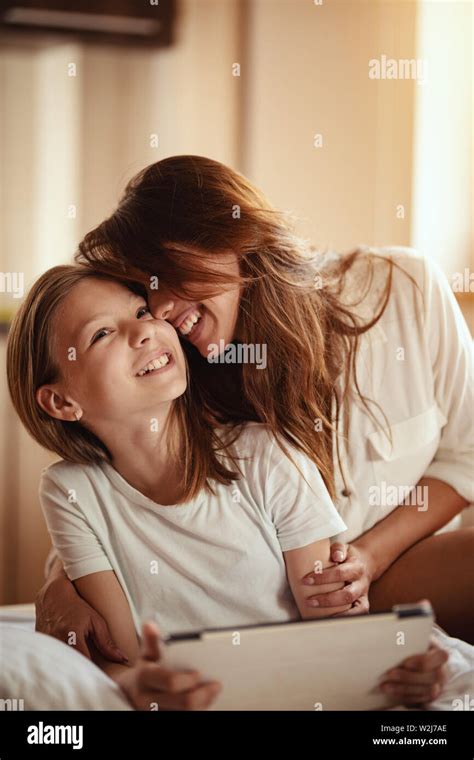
<point>309,559</point>
<point>145,682</point>
<point>59,606</point>
<point>60,610</point>
<point>104,593</point>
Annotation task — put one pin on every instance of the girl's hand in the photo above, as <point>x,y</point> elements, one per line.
<point>354,569</point>
<point>147,683</point>
<point>418,679</point>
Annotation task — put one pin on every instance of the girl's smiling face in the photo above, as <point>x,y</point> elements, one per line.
<point>116,361</point>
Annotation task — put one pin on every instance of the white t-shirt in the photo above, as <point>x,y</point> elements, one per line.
<point>215,561</point>
<point>417,364</point>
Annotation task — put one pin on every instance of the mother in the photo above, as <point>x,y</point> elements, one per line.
<point>368,370</point>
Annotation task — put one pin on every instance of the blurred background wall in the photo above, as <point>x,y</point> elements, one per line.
<point>357,160</point>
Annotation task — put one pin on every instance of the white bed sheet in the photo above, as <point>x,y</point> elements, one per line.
<point>39,672</point>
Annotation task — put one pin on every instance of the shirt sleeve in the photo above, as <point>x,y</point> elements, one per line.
<point>76,543</point>
<point>452,356</point>
<point>297,500</point>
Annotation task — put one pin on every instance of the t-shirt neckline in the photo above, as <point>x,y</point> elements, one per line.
<point>139,498</point>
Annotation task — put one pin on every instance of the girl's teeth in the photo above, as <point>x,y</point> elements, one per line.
<point>188,325</point>
<point>155,364</point>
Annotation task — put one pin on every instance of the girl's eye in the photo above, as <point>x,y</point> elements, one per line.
<point>104,331</point>
<point>99,334</point>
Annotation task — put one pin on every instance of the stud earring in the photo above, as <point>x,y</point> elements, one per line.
<point>77,416</point>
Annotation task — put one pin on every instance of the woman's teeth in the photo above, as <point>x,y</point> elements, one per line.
<point>186,327</point>
<point>155,364</point>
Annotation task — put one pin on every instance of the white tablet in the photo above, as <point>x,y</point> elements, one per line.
<point>328,664</point>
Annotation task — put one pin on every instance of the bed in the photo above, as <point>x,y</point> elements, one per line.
<point>39,672</point>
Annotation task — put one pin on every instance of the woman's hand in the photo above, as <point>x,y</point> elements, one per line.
<point>418,679</point>
<point>354,568</point>
<point>60,611</point>
<point>147,683</point>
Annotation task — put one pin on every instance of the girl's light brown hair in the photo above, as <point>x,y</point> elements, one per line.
<point>179,211</point>
<point>31,363</point>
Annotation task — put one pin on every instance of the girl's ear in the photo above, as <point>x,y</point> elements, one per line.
<point>53,403</point>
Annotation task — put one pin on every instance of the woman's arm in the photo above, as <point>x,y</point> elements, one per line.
<point>312,558</point>
<point>369,556</point>
<point>403,527</point>
<point>449,476</point>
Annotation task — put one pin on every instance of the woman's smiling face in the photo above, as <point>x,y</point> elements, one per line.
<point>203,322</point>
<point>116,361</point>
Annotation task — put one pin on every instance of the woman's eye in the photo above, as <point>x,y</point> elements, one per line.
<point>142,311</point>
<point>99,334</point>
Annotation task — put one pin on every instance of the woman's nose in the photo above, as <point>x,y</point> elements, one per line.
<point>161,310</point>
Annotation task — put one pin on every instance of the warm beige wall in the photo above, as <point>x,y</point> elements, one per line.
<point>386,143</point>
<point>8,507</point>
<point>309,68</point>
<point>75,141</point>
<point>443,167</point>
<point>185,94</point>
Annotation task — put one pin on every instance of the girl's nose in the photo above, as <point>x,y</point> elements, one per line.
<point>142,331</point>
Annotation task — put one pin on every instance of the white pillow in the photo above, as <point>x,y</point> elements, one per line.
<point>47,674</point>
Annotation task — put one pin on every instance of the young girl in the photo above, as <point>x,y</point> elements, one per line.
<point>152,510</point>
<point>372,346</point>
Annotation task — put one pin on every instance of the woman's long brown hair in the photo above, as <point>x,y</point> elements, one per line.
<point>177,213</point>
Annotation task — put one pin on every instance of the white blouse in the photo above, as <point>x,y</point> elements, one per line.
<point>417,364</point>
